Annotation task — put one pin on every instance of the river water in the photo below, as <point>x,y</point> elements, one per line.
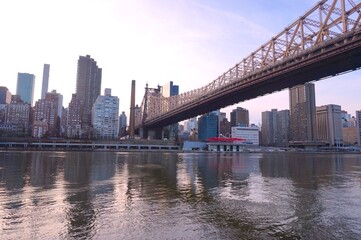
<point>158,195</point>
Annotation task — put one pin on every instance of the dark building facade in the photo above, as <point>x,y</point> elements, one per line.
<point>240,117</point>
<point>5,95</point>
<point>88,85</point>
<point>275,128</point>
<point>224,125</point>
<point>73,126</point>
<point>303,113</point>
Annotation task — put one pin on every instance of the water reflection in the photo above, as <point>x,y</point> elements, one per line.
<point>168,195</point>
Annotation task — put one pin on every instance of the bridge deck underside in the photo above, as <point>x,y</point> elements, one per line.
<point>324,62</point>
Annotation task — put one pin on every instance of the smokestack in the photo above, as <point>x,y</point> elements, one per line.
<point>132,111</point>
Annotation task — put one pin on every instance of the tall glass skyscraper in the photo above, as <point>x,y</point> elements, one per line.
<point>88,83</point>
<point>25,87</point>
<point>208,125</point>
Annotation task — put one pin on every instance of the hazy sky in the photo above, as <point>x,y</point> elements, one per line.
<point>188,42</point>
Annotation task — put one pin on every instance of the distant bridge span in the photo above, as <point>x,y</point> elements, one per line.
<point>325,42</point>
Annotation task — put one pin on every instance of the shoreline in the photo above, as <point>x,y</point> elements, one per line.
<point>144,150</point>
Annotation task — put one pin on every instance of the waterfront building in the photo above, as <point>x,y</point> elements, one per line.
<point>105,116</point>
<point>122,124</point>
<point>224,125</point>
<point>88,84</point>
<point>45,84</point>
<point>329,124</point>
<point>240,117</point>
<point>275,128</point>
<point>5,95</point>
<point>250,134</point>
<point>349,129</point>
<point>40,129</point>
<point>73,126</point>
<point>303,113</point>
<point>349,135</point>
<point>17,116</point>
<point>25,87</point>
<point>269,128</point>
<point>283,128</point>
<point>57,98</point>
<point>208,126</point>
<point>169,90</point>
<point>45,119</point>
<point>358,125</point>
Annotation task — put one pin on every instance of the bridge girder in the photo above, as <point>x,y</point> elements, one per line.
<point>325,41</point>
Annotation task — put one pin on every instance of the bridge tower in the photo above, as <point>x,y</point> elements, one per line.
<point>145,132</point>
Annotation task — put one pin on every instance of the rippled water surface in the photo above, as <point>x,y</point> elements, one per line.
<point>109,195</point>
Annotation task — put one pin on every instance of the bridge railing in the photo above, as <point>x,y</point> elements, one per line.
<point>322,24</point>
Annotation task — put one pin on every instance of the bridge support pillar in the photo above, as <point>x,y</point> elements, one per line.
<point>143,133</point>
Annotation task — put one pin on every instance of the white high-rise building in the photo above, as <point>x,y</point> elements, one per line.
<point>249,134</point>
<point>105,116</point>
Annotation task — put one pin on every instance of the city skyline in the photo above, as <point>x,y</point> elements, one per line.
<point>190,43</point>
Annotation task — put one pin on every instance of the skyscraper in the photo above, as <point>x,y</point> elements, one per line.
<point>239,117</point>
<point>283,127</point>
<point>329,124</point>
<point>47,115</point>
<point>275,128</point>
<point>25,87</point>
<point>303,113</point>
<point>75,110</point>
<point>208,126</point>
<point>122,124</point>
<point>5,95</point>
<point>44,86</point>
<point>170,89</point>
<point>269,127</point>
<point>224,125</point>
<point>88,83</point>
<point>105,116</point>
<point>358,125</point>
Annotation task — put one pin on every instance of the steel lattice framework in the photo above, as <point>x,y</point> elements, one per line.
<point>328,24</point>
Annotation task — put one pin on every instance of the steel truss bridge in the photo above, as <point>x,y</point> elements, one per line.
<point>324,42</point>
